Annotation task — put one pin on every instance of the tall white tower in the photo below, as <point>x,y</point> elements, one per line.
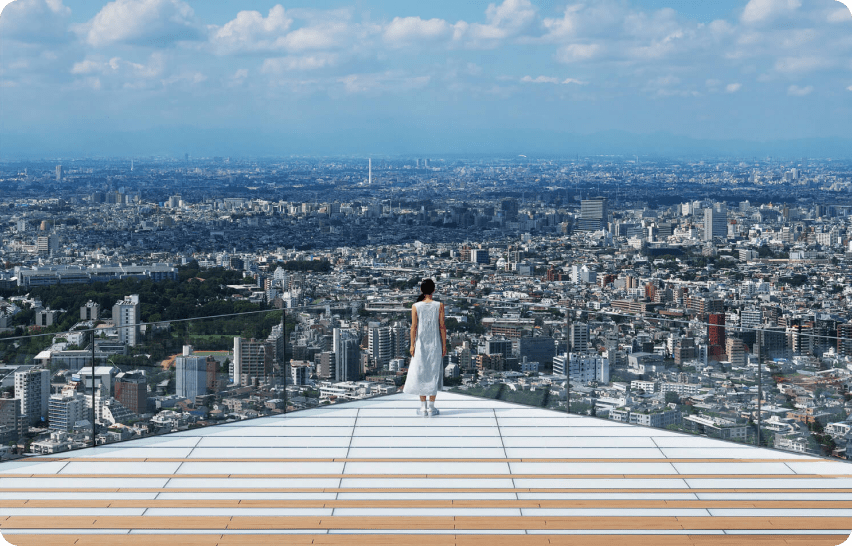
<point>370,171</point>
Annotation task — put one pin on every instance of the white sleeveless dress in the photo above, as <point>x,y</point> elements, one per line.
<point>426,370</point>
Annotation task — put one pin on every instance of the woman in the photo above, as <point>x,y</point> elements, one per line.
<point>428,347</point>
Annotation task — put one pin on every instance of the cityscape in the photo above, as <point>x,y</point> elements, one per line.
<point>580,284</point>
<point>512,272</point>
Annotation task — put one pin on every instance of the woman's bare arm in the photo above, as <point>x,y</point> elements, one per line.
<point>443,329</point>
<point>413,335</point>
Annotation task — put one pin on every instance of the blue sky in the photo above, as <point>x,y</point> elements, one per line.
<point>138,77</point>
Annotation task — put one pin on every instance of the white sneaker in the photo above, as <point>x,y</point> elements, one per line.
<point>422,411</point>
<point>433,411</point>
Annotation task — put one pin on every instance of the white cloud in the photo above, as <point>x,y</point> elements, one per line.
<point>840,15</point>
<point>802,64</point>
<point>539,79</point>
<point>502,22</point>
<point>577,52</point>
<point>381,82</point>
<point>733,87</point>
<point>296,62</point>
<point>250,31</point>
<point>403,31</point>
<point>576,82</point>
<point>796,91</point>
<point>35,21</point>
<point>849,88</point>
<point>565,27</point>
<point>146,22</point>
<point>757,11</point>
<point>329,35</point>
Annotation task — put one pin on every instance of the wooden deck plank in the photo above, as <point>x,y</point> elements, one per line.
<point>424,503</point>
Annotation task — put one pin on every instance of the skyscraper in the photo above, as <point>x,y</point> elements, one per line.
<point>131,390</point>
<point>347,355</point>
<point>190,374</point>
<point>252,360</point>
<point>59,173</point>
<point>126,315</point>
<point>32,388</point>
<point>594,214</point>
<point>715,221</point>
<point>380,346</point>
<point>579,337</point>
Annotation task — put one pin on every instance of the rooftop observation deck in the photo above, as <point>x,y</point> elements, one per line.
<point>372,472</point>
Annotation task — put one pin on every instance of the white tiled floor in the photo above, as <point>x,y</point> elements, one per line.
<point>384,438</point>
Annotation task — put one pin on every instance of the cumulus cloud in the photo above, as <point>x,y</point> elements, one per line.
<point>250,31</point>
<point>35,21</point>
<point>141,22</point>
<point>505,21</point>
<point>572,53</point>
<point>733,87</point>
<point>757,11</point>
<point>796,91</point>
<point>403,31</point>
<point>849,88</point>
<point>118,66</point>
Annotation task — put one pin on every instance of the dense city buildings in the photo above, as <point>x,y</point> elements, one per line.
<point>704,296</point>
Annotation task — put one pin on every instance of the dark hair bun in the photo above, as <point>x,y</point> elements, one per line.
<point>426,287</point>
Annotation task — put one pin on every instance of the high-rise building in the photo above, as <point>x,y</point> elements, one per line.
<point>126,315</point>
<point>90,311</point>
<point>252,360</point>
<point>498,346</point>
<point>66,409</point>
<point>10,417</point>
<point>59,173</point>
<point>735,349</point>
<point>48,244</point>
<point>326,366</point>
<point>716,333</point>
<point>347,355</point>
<point>190,374</point>
<point>844,339</point>
<point>715,222</point>
<point>537,349</point>
<point>480,256</point>
<point>131,389</point>
<point>594,214</point>
<point>579,337</point>
<point>379,346</point>
<point>32,388</point>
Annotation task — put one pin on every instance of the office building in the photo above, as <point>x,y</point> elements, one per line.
<point>716,333</point>
<point>497,346</point>
<point>126,315</point>
<point>131,389</point>
<point>190,374</point>
<point>347,355</point>
<point>594,215</point>
<point>59,173</point>
<point>579,337</point>
<point>379,341</point>
<point>48,245</point>
<point>715,222</point>
<point>537,349</point>
<point>32,388</point>
<point>480,256</point>
<point>90,311</point>
<point>583,367</point>
<point>65,410</point>
<point>252,361</point>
